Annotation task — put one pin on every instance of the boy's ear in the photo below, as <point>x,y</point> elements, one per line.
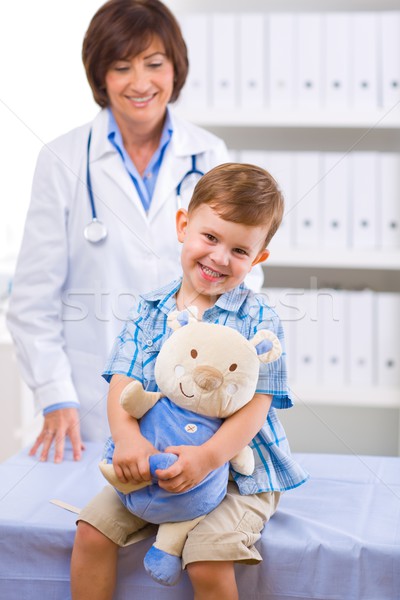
<point>181,221</point>
<point>261,257</point>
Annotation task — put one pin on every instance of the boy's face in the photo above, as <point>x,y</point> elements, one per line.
<point>217,254</point>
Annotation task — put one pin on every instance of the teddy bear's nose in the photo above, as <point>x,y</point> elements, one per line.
<point>207,378</point>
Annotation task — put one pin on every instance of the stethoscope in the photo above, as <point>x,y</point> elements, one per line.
<point>95,231</point>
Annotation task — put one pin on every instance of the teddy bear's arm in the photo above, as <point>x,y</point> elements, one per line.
<point>136,401</point>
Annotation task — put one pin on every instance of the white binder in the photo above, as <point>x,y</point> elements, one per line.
<point>364,199</point>
<point>336,68</point>
<point>335,197</point>
<point>306,328</point>
<point>365,60</point>
<point>308,56</point>
<point>387,351</point>
<point>390,57</point>
<point>252,60</point>
<point>389,200</point>
<point>306,199</point>
<point>280,60</point>
<point>224,60</point>
<point>281,167</point>
<point>332,336</point>
<point>361,339</point>
<point>196,32</point>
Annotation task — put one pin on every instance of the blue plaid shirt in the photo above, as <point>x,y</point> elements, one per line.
<point>136,349</point>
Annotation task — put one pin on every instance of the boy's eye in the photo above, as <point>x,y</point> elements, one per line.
<point>240,251</point>
<point>211,237</point>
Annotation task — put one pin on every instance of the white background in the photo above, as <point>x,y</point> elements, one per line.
<point>43,94</point>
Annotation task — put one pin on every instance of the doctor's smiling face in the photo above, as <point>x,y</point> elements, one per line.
<point>139,88</point>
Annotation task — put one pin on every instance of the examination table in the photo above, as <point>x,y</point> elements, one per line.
<point>335,538</point>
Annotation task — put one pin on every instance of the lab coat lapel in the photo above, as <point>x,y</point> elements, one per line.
<point>169,176</point>
<point>109,172</point>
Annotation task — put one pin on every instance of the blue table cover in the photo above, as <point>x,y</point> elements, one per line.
<point>335,538</point>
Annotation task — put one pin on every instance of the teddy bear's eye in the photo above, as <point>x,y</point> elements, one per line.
<point>193,353</point>
<point>233,367</point>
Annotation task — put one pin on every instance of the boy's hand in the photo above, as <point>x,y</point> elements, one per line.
<point>131,459</point>
<point>192,466</point>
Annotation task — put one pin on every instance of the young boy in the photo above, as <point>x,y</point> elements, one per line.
<point>235,211</point>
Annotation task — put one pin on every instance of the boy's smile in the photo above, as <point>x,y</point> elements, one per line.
<point>216,254</point>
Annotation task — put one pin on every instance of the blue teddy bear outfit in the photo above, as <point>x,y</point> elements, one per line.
<point>166,424</point>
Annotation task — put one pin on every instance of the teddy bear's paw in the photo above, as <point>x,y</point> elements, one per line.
<point>163,567</point>
<point>243,462</point>
<point>163,460</point>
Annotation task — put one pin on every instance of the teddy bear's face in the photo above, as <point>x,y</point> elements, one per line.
<point>208,368</point>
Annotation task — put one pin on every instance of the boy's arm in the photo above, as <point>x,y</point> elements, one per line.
<point>132,450</point>
<point>195,462</point>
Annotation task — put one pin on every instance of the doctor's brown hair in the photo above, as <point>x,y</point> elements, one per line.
<point>241,193</point>
<point>122,29</point>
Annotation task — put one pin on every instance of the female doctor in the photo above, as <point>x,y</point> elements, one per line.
<point>100,229</point>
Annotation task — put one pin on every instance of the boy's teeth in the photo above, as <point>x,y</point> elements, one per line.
<point>211,272</point>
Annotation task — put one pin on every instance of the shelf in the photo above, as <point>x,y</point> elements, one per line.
<point>372,397</point>
<point>354,119</point>
<point>335,259</point>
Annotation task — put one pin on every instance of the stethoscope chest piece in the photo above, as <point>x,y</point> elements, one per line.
<point>95,231</point>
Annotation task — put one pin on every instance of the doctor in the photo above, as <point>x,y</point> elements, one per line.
<point>100,229</point>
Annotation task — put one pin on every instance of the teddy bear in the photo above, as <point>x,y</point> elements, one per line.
<point>205,372</point>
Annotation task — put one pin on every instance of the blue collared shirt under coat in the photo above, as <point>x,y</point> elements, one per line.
<point>144,185</point>
<point>136,349</point>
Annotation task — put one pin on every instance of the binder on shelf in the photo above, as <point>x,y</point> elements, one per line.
<point>280,54</point>
<point>364,198</point>
<point>252,60</point>
<point>360,338</point>
<point>336,50</point>
<point>224,60</point>
<point>332,336</point>
<point>335,174</point>
<point>308,55</point>
<point>306,199</point>
<point>306,329</point>
<point>281,301</point>
<point>389,200</point>
<point>365,60</point>
<point>254,157</point>
<point>196,32</point>
<point>281,167</point>
<point>390,57</point>
<point>387,352</point>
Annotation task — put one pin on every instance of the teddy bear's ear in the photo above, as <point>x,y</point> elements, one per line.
<point>267,346</point>
<point>179,318</point>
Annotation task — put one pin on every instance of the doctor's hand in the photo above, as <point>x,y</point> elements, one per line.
<point>58,425</point>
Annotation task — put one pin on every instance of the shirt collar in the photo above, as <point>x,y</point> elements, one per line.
<point>114,133</point>
<point>231,301</point>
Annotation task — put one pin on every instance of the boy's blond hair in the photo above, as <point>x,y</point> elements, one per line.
<point>241,193</point>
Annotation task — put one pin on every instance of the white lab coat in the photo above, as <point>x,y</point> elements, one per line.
<point>70,297</point>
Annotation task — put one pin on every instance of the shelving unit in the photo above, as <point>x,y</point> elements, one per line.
<point>320,130</point>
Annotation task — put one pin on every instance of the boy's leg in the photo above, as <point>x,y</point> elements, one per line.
<point>226,535</point>
<point>93,565</point>
<point>103,526</point>
<point>213,580</point>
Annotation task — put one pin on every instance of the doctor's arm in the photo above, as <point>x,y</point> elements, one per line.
<point>35,313</point>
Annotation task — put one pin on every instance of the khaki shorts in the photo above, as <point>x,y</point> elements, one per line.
<point>229,532</point>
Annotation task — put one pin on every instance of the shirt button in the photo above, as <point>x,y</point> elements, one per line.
<point>149,343</point>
